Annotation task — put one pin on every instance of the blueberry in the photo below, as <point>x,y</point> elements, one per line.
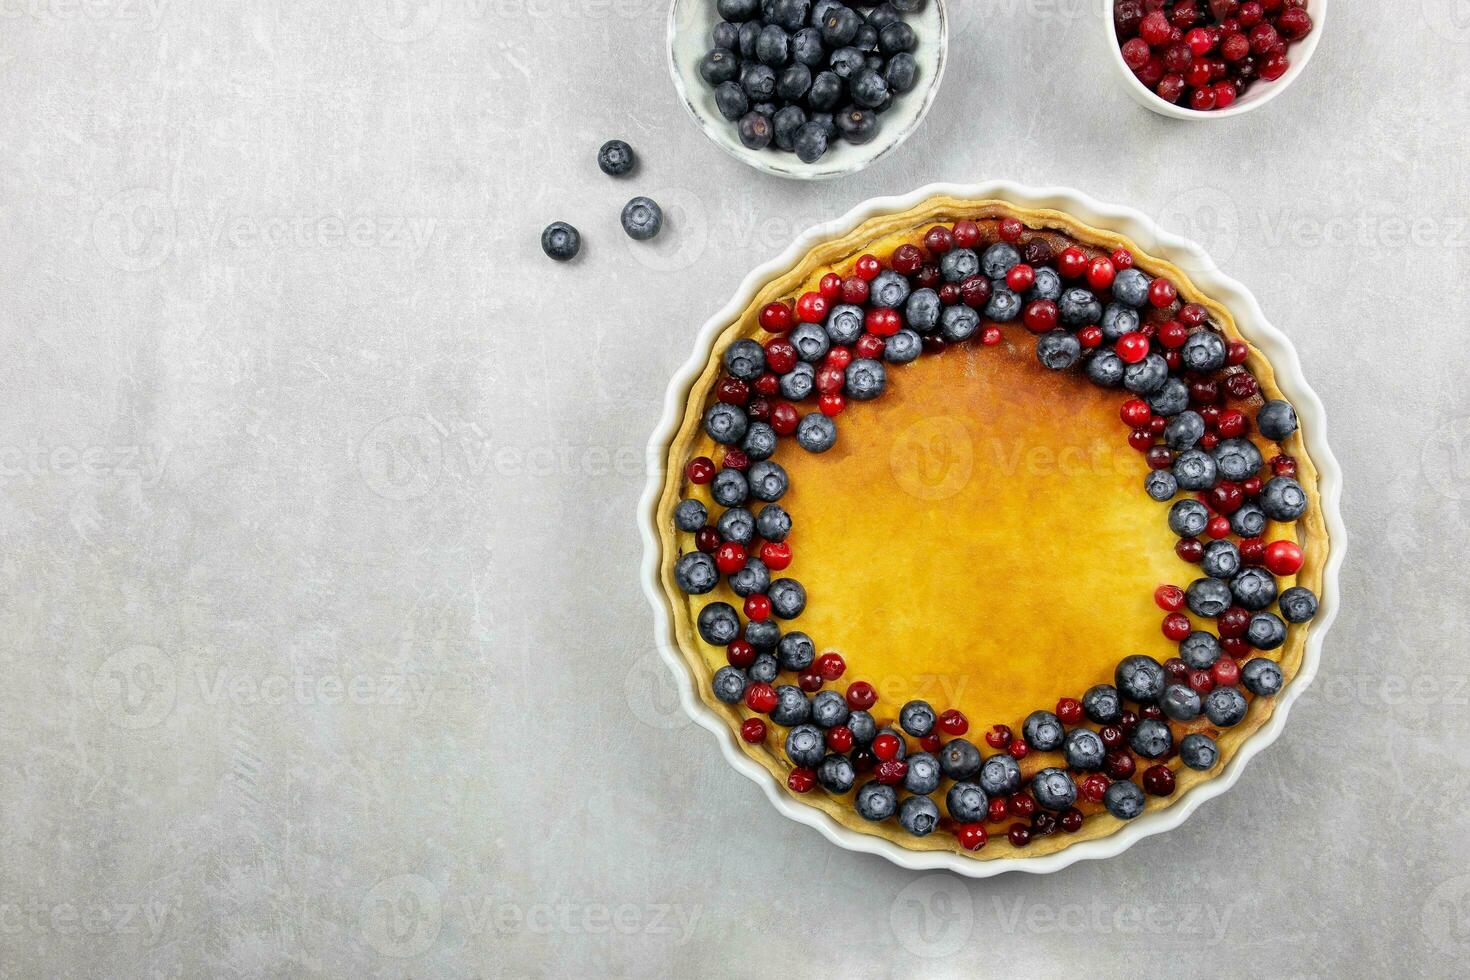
<point>858,126</point>
<point>1131,286</point>
<point>1198,751</point>
<point>902,73</point>
<point>866,379</point>
<point>826,92</point>
<point>1207,597</point>
<point>1195,469</point>
<point>750,32</point>
<point>1297,604</point>
<point>642,218</point>
<point>1237,459</point>
<point>788,598</point>
<point>1105,368</point>
<point>923,775</point>
<point>718,624</point>
<point>1000,776</point>
<point>1102,704</point>
<point>1151,738</point>
<point>959,759</point>
<point>829,709</point>
<point>959,264</point>
<point>839,26</point>
<point>999,259</point>
<point>875,802</point>
<point>1204,351</point>
<point>773,523</point>
<point>765,636</point>
<point>1043,730</point>
<point>1254,588</point>
<point>773,47</point>
<point>1199,650</point>
<point>690,515</point>
<point>816,433</point>
<point>862,726</point>
<point>1124,800</point>
<point>755,130</point>
<point>866,38</point>
<point>616,157</point>
<point>759,442</point>
<point>1188,517</point>
<point>738,9</point>
<point>729,685</point>
<point>792,707</point>
<point>882,15</point>
<point>1184,430</point>
<point>811,341</point>
<point>1221,559</point>
<point>869,89</point>
<point>897,38</point>
<point>737,525</point>
<point>958,323</point>
<point>1180,702</point>
<point>1003,305</point>
<point>725,424</point>
<point>1084,749</point>
<point>1139,679</point>
<point>811,142</point>
<point>719,65</point>
<point>1047,285</point>
<point>696,574</point>
<point>1147,376</point>
<point>1077,306</point>
<point>888,289</point>
<point>1160,485</point>
<point>836,774</point>
<point>1058,350</point>
<point>807,47</point>
<point>1053,789</point>
<point>826,123</point>
<point>916,718</point>
<point>1283,499</point>
<point>1249,521</point>
<point>805,745</point>
<point>561,241</point>
<point>730,488</point>
<point>845,323</point>
<point>768,480</point>
<point>731,100</point>
<point>764,668</point>
<point>1117,320</point>
<point>967,803</point>
<point>1225,707</point>
<point>1276,419</point>
<point>785,124</point>
<point>1171,399</point>
<point>1262,677</point>
<point>790,14</point>
<point>903,347</point>
<point>1266,631</point>
<point>726,35</point>
<point>753,579</point>
<point>847,63</point>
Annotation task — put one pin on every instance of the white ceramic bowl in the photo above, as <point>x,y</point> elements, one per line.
<point>1252,323</point>
<point>690,23</point>
<point>1260,93</point>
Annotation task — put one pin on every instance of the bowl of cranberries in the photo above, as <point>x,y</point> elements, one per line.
<point>1204,59</point>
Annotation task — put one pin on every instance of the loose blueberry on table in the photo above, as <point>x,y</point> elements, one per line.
<point>1205,54</point>
<point>799,75</point>
<point>1189,399</point>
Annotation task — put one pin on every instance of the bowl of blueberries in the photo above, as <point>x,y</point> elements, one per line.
<point>807,89</point>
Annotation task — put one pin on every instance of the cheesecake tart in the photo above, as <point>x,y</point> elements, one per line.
<point>986,531</point>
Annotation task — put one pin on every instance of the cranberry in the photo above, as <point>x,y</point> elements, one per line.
<point>1043,824</point>
<point>839,738</point>
<point>1021,805</point>
<point>867,267</point>
<point>757,607</point>
<point>1201,682</point>
<point>1225,94</point>
<point>938,240</point>
<point>1158,780</point>
<point>1072,263</point>
<point>934,344</point>
<point>861,696</point>
<point>886,746</point>
<point>928,276</point>
<point>1019,748</point>
<point>1010,230</point>
<point>808,682</point>
<point>731,557</point>
<point>1200,42</point>
<point>1238,647</point>
<point>1203,392</point>
<point>1071,820</point>
<point>1151,711</point>
<point>1283,557</point>
<point>1141,438</point>
<point>1280,466</point>
<point>1225,496</point>
<point>1202,99</point>
<point>1118,764</point>
<point>870,346</point>
<point>1036,253</point>
<point>949,293</point>
<point>953,722</point>
<point>1242,385</point>
<point>1170,88</point>
<point>1253,551</point>
<point>1169,597</point>
<point>760,697</point>
<point>830,286</point>
<point>776,317</point>
<point>1135,412</point>
<point>1233,622</point>
<point>1090,336</point>
<point>966,233</point>
<point>1294,23</point>
<point>1189,549</point>
<point>780,355</point>
<point>972,836</point>
<point>1274,67</point>
<point>707,540</point>
<point>1136,53</point>
<point>1019,835</point>
<point>1100,273</point>
<point>1093,788</point>
<point>740,654</point>
<point>998,737</point>
<point>1218,527</point>
<point>883,322</point>
<point>1250,14</point>
<point>1069,710</point>
<point>1176,669</point>
<point>990,336</point>
<point>906,260</point>
<point>801,780</point>
<point>776,555</point>
<point>701,470</point>
<point>1176,626</point>
<point>753,730</point>
<point>1172,334</point>
<point>831,666</point>
<point>854,290</point>
<point>891,772</point>
<point>1159,458</point>
<point>1154,28</point>
<point>839,357</point>
<point>1040,315</point>
<point>784,418</point>
<point>811,308</point>
<point>996,811</point>
<point>975,291</point>
<point>1226,672</point>
<point>1112,736</point>
<point>1132,347</point>
<point>1161,293</point>
<point>735,459</point>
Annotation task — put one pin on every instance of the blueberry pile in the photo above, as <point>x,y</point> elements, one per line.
<point>642,218</point>
<point>1189,392</point>
<point>799,74</point>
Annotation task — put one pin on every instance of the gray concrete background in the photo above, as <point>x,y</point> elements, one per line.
<point>323,645</point>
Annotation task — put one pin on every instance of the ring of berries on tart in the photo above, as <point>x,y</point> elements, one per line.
<point>986,531</point>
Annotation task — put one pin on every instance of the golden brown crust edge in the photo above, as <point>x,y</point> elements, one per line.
<point>879,235</point>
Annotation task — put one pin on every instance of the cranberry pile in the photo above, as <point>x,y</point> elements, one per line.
<point>1207,53</point>
<point>1190,406</point>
